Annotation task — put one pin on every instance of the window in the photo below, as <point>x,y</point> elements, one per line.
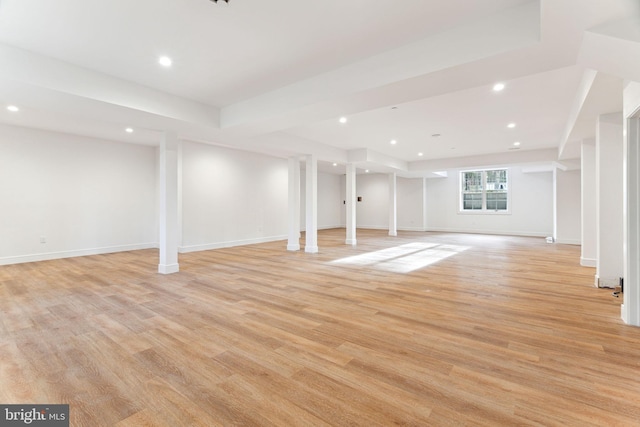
<point>485,190</point>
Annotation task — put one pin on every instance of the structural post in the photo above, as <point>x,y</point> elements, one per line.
<point>168,204</point>
<point>566,204</point>
<point>589,206</point>
<point>350,203</point>
<point>609,195</point>
<point>393,208</point>
<point>630,309</point>
<point>293,243</point>
<point>311,226</point>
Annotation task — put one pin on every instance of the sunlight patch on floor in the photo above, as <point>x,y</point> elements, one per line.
<point>403,258</point>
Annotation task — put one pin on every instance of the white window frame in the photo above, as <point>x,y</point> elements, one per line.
<point>484,210</point>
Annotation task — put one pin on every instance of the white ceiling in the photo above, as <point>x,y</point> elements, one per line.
<point>275,75</point>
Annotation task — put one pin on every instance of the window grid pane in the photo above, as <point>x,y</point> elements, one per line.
<point>472,201</point>
<point>472,182</point>
<point>485,190</point>
<point>497,201</point>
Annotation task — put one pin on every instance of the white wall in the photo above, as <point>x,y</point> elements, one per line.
<point>531,200</point>
<point>373,210</point>
<point>82,195</point>
<point>231,197</point>
<point>568,207</point>
<point>589,251</point>
<point>329,201</point>
<point>531,206</point>
<point>411,204</point>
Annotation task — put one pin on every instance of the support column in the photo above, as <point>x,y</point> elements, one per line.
<point>425,200</point>
<point>351,204</point>
<point>588,256</point>
<point>393,206</point>
<point>610,181</point>
<point>168,204</point>
<point>311,226</point>
<point>293,243</point>
<point>630,309</point>
<point>566,205</point>
<point>555,203</point>
<point>180,186</point>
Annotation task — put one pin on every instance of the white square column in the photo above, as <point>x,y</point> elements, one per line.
<point>630,310</point>
<point>610,202</point>
<point>567,226</point>
<point>293,243</point>
<point>393,205</point>
<point>311,234</point>
<point>589,206</point>
<point>168,212</point>
<point>350,203</point>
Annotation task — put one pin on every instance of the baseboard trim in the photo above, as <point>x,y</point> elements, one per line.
<point>168,268</point>
<point>229,244</point>
<point>490,232</point>
<point>412,229</point>
<point>47,256</point>
<point>326,227</point>
<point>588,262</point>
<point>569,242</point>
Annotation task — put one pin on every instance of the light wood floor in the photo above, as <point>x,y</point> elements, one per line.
<point>424,329</point>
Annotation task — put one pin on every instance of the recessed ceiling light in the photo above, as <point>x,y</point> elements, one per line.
<point>394,108</point>
<point>366,171</point>
<point>129,130</point>
<point>511,125</point>
<point>343,120</point>
<point>498,87</point>
<point>335,164</point>
<point>165,61</point>
<point>13,108</point>
<point>420,154</point>
<point>436,135</point>
<point>393,142</point>
<point>517,144</point>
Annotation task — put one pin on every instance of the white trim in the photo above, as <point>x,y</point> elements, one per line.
<point>490,232</point>
<point>376,227</point>
<point>569,242</point>
<point>47,256</point>
<point>588,262</point>
<point>327,227</point>
<point>483,212</point>
<point>168,269</point>
<point>606,282</point>
<point>229,244</point>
